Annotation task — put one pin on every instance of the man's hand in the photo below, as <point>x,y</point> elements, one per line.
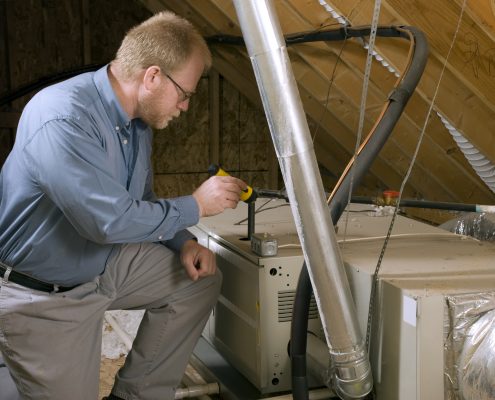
<point>218,193</point>
<point>197,260</point>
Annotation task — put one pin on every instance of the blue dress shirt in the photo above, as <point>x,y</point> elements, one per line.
<point>78,182</point>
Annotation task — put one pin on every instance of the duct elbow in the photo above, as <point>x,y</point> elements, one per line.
<point>353,380</point>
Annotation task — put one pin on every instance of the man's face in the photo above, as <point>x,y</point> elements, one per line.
<point>165,100</point>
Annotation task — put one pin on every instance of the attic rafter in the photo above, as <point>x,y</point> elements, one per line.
<point>483,13</point>
<point>433,157</point>
<point>346,90</point>
<point>455,100</point>
<point>346,109</point>
<point>473,50</point>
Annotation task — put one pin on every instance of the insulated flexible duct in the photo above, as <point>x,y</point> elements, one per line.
<point>482,166</point>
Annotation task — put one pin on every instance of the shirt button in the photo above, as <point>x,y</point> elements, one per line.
<point>160,237</point>
<point>117,128</point>
<point>124,141</point>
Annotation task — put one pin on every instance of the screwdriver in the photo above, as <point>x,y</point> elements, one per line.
<point>248,195</point>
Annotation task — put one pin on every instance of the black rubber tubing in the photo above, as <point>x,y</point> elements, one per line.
<point>339,202</point>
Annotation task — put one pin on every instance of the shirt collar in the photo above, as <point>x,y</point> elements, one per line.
<point>119,118</point>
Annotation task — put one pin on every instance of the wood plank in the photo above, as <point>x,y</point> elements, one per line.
<point>483,13</point>
<point>472,53</point>
<point>214,115</point>
<point>470,114</point>
<point>434,156</point>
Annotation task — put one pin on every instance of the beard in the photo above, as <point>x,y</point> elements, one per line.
<point>150,111</point>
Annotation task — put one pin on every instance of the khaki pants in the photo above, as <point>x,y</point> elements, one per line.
<point>51,342</point>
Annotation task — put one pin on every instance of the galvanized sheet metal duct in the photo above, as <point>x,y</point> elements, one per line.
<point>290,135</point>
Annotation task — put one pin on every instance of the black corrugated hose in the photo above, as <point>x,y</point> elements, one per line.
<point>398,100</point>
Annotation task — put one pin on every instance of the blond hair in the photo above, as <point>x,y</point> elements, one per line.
<point>165,40</point>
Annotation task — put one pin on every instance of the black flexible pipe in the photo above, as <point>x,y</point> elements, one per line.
<point>299,325</point>
<point>327,35</point>
<point>436,205</point>
<point>398,100</point>
<point>339,202</point>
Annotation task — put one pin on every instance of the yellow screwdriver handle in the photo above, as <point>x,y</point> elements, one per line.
<point>247,195</point>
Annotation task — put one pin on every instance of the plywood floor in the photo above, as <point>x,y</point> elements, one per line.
<point>108,369</point>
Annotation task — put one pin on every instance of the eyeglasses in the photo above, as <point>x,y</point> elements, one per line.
<point>183,95</point>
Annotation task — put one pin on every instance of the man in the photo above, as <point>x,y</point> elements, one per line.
<point>82,232</point>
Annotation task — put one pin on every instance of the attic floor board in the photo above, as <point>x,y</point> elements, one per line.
<point>108,369</point>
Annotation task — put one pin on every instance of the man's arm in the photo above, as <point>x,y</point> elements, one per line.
<point>73,169</point>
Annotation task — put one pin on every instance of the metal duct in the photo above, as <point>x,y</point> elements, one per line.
<point>469,349</point>
<point>479,225</point>
<point>292,141</point>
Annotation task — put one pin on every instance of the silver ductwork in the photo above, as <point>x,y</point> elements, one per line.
<point>352,378</point>
<point>469,344</point>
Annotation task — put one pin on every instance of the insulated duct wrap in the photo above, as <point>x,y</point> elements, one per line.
<point>294,148</point>
<point>470,347</point>
<point>478,225</point>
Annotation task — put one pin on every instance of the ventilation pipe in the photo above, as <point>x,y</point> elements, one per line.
<point>482,166</point>
<point>294,148</point>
